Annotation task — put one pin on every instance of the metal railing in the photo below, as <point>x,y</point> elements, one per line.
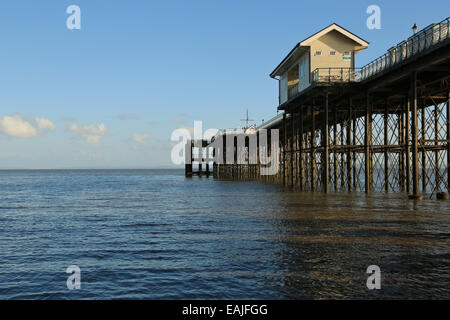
<point>336,75</point>
<point>430,36</point>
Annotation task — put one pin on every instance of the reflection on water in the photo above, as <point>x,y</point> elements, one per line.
<point>335,238</point>
<point>156,235</point>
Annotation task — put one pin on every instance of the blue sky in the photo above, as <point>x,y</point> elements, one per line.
<point>114,91</point>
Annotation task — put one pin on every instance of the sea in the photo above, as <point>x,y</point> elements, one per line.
<point>154,234</point>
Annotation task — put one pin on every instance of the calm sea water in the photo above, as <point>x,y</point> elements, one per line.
<point>156,235</point>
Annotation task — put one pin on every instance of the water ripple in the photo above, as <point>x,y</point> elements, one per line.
<point>143,234</point>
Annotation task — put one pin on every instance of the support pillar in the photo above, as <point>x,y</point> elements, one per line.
<point>188,159</point>
<point>448,141</point>
<point>224,157</point>
<point>354,141</point>
<point>367,145</point>
<point>408,145</point>
<point>437,173</point>
<point>348,143</point>
<point>325,144</point>
<point>301,165</point>
<point>424,160</point>
<point>335,154</point>
<point>341,150</point>
<point>284,147</point>
<point>235,158</point>
<point>313,151</point>
<point>414,131</point>
<point>401,142</point>
<point>386,147</point>
<point>292,154</point>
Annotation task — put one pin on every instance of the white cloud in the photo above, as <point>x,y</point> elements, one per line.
<point>18,127</point>
<point>182,119</point>
<point>91,133</point>
<point>44,124</point>
<point>177,120</point>
<point>140,138</point>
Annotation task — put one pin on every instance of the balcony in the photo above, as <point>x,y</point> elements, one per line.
<point>428,38</point>
<point>336,75</point>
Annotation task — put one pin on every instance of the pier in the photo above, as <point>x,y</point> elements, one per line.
<point>380,128</point>
<point>195,155</point>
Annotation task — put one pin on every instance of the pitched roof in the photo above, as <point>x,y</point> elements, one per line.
<point>306,42</point>
<point>331,27</point>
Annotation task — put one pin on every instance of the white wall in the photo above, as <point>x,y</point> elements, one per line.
<point>283,88</point>
<point>304,72</point>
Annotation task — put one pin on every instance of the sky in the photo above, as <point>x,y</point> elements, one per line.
<point>110,94</point>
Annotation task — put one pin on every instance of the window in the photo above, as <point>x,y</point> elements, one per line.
<point>318,53</point>
<point>347,55</point>
<point>332,53</point>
